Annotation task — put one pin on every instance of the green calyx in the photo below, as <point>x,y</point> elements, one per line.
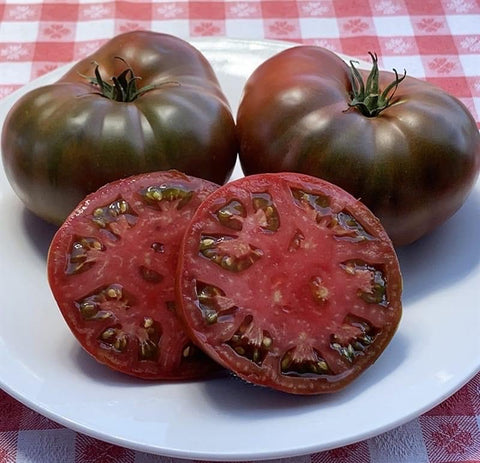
<point>122,88</point>
<point>366,96</point>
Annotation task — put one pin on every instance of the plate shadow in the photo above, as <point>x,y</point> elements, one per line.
<point>39,232</point>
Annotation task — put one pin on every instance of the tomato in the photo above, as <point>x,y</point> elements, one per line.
<point>289,282</point>
<point>111,269</point>
<point>407,149</point>
<point>163,108</point>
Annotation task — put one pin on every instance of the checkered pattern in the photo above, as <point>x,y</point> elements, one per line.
<point>448,433</point>
<point>436,40</point>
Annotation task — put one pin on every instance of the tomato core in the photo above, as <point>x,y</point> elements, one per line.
<point>123,88</point>
<point>366,96</point>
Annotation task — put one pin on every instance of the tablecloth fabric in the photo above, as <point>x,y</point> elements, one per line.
<point>436,40</point>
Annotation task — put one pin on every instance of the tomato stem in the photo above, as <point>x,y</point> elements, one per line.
<point>366,96</point>
<point>123,88</point>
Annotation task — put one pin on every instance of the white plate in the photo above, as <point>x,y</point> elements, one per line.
<point>435,351</point>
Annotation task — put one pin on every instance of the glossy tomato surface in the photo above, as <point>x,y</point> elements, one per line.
<point>290,282</point>
<point>413,164</point>
<point>65,140</point>
<point>111,268</point>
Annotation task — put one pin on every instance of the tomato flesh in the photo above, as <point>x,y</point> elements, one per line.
<point>111,268</point>
<point>290,282</point>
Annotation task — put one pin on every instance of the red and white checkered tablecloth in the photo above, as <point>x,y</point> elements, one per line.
<point>436,40</point>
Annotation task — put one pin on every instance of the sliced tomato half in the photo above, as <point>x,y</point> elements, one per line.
<point>289,282</point>
<point>111,268</point>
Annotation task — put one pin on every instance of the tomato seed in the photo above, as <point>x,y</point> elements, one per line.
<point>239,350</point>
<point>147,322</point>
<point>211,317</point>
<point>206,243</point>
<point>114,292</point>
<point>108,334</point>
<point>267,342</point>
<point>88,309</point>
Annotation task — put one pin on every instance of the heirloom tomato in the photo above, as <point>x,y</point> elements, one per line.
<point>142,102</point>
<point>111,269</point>
<point>407,149</point>
<point>289,281</point>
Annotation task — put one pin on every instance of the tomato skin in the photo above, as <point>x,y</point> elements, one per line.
<point>64,140</point>
<point>111,269</point>
<point>280,273</point>
<point>413,165</point>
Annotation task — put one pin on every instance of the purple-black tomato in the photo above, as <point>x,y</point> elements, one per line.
<point>142,102</point>
<point>407,149</point>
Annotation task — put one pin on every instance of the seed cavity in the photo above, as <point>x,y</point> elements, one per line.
<point>231,215</point>
<point>103,303</point>
<point>157,195</point>
<point>232,254</point>
<point>148,350</point>
<point>192,354</point>
<point>266,211</point>
<point>316,201</point>
<point>149,335</point>
<point>83,253</point>
<point>305,361</point>
<point>353,337</point>
<point>372,282</point>
<point>214,305</point>
<point>114,218</point>
<point>251,341</point>
<point>114,338</point>
<point>345,227</point>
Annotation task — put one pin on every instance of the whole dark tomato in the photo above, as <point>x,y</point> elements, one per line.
<point>111,269</point>
<point>143,102</point>
<point>289,281</point>
<point>407,149</point>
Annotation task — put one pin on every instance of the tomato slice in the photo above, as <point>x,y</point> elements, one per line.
<point>289,282</point>
<point>111,268</point>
